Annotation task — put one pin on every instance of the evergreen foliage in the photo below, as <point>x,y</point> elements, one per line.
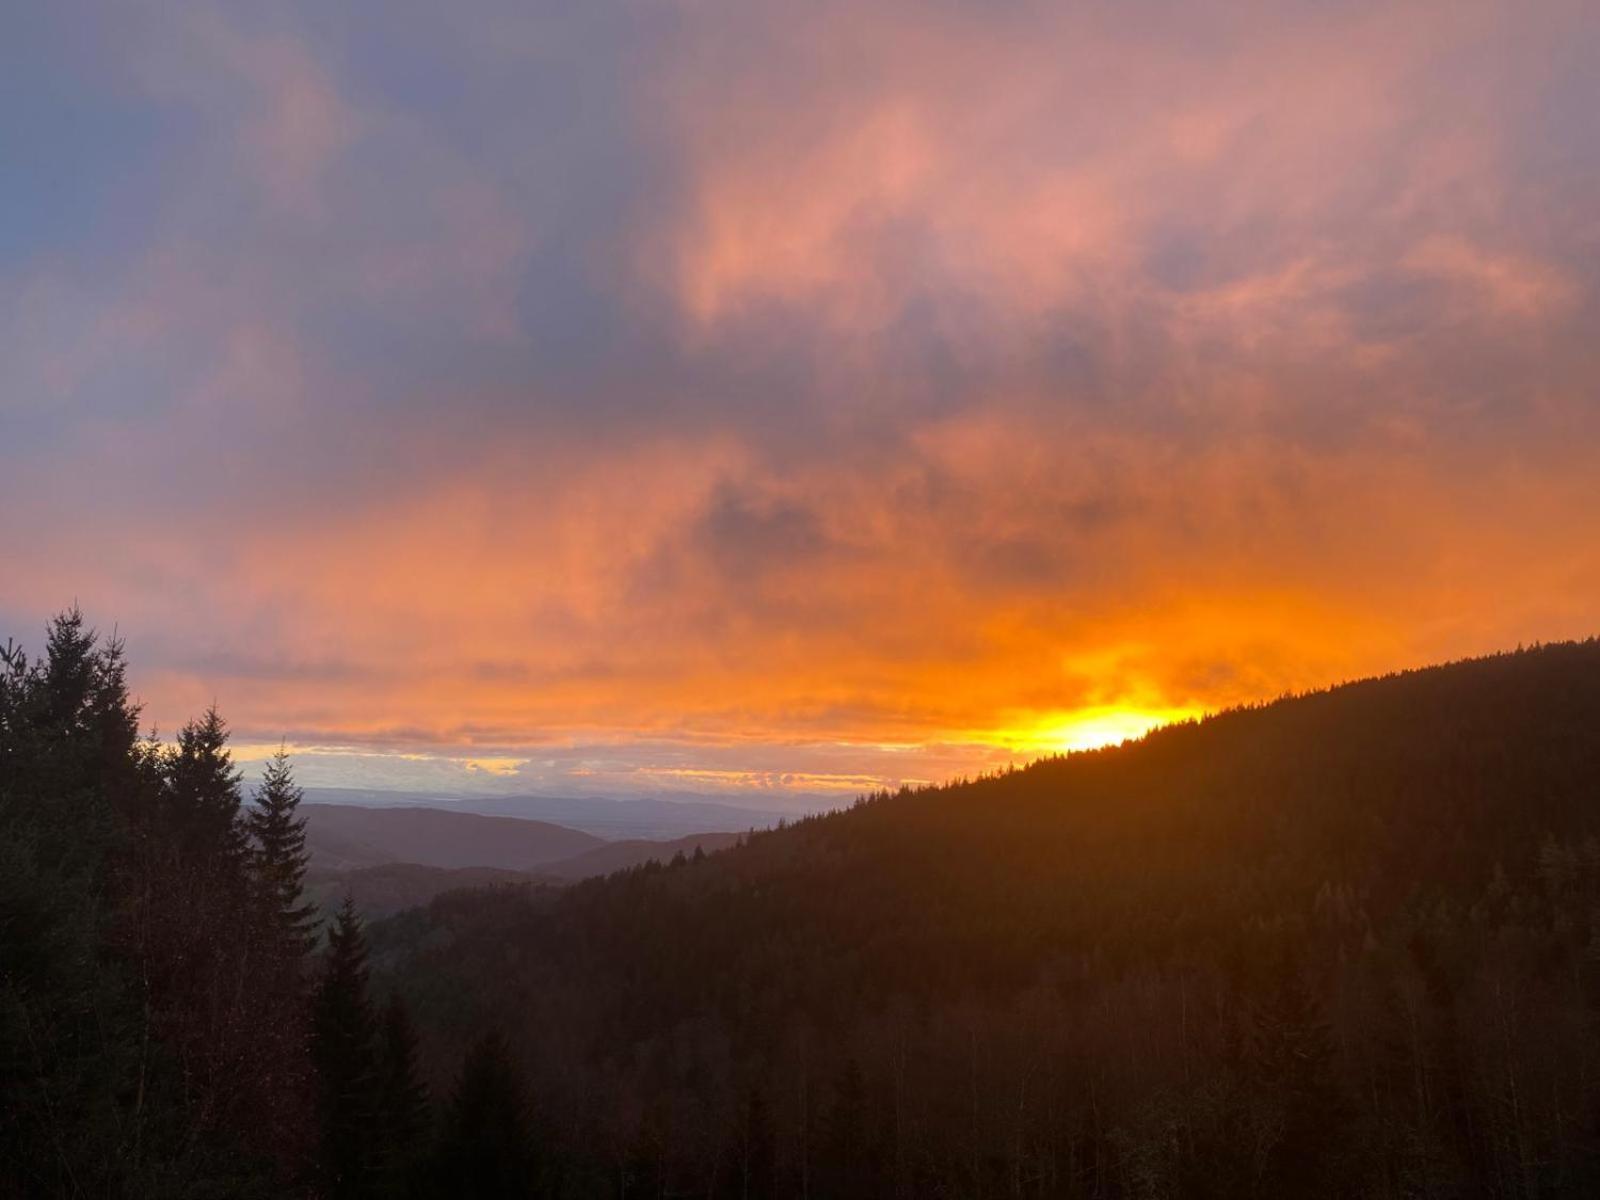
<point>404,1115</point>
<point>67,738</point>
<point>204,797</point>
<point>151,1024</point>
<point>486,1145</point>
<point>344,1052</point>
<point>279,837</point>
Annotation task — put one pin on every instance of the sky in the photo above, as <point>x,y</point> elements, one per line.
<point>764,399</point>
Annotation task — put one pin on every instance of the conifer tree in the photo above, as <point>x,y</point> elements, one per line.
<point>847,1159</point>
<point>343,1055</point>
<point>278,834</point>
<point>69,674</point>
<point>64,1057</point>
<point>214,992</point>
<point>404,1114</point>
<point>281,930</point>
<point>204,793</point>
<point>1289,1059</point>
<point>486,1149</point>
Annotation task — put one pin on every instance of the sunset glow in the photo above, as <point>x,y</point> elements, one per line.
<point>777,399</point>
<point>1091,729</point>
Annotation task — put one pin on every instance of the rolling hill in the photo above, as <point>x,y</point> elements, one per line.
<point>344,837</point>
<point>640,818</point>
<point>634,852</point>
<point>1342,944</point>
<point>388,887</point>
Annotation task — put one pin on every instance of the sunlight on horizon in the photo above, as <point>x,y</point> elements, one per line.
<point>1093,728</point>
<point>937,759</point>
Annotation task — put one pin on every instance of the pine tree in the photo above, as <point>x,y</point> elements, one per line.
<point>65,1057</point>
<point>282,932</point>
<point>404,1114</point>
<point>227,1006</point>
<point>69,674</point>
<point>343,1054</point>
<point>1289,1061</point>
<point>486,1149</point>
<point>204,794</point>
<point>279,856</point>
<point>847,1162</point>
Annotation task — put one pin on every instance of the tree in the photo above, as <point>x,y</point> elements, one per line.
<point>1289,1059</point>
<point>403,1112</point>
<point>847,1161</point>
<point>67,731</point>
<point>192,933</point>
<point>279,856</point>
<point>204,795</point>
<point>343,1055</point>
<point>282,931</point>
<point>486,1148</point>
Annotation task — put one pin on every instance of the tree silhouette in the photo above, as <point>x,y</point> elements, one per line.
<point>343,1053</point>
<point>403,1113</point>
<point>204,797</point>
<point>486,1146</point>
<point>1289,1057</point>
<point>67,1056</point>
<point>279,855</point>
<point>848,1159</point>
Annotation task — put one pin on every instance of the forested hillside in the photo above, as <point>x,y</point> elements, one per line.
<point>1342,944</point>
<point>390,887</point>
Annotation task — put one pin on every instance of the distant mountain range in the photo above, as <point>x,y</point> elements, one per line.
<point>605,818</point>
<point>397,857</point>
<point>343,837</point>
<point>382,890</point>
<point>389,887</point>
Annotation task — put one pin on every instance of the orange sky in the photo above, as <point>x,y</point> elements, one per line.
<point>764,399</point>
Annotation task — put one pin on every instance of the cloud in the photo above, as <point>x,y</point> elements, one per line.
<point>747,395</point>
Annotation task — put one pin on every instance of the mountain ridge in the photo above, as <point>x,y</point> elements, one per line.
<point>352,836</point>
<point>381,888</point>
<point>612,819</point>
<point>1282,914</point>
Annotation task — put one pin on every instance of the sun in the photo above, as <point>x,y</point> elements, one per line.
<point>1091,728</point>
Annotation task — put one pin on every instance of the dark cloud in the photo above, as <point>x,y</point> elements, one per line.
<point>747,535</point>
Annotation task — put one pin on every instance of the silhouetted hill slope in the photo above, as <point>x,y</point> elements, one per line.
<point>645,818</point>
<point>348,836</point>
<point>620,856</point>
<point>389,887</point>
<point>1341,938</point>
<point>650,818</point>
